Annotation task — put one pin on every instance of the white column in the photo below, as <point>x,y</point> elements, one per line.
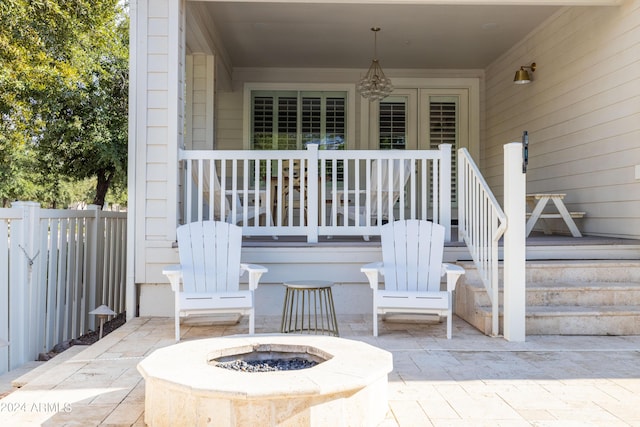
<point>312,193</point>
<point>445,190</point>
<point>514,244</point>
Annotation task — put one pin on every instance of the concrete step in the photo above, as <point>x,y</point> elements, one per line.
<point>564,298</point>
<point>566,293</point>
<point>575,320</point>
<point>570,271</point>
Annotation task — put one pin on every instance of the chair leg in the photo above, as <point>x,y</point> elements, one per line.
<point>252,323</point>
<point>176,307</point>
<point>375,322</point>
<point>177,326</point>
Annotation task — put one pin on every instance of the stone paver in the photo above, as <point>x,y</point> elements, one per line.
<point>471,380</point>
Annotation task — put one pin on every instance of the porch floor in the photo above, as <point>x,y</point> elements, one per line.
<point>470,380</point>
<point>535,239</point>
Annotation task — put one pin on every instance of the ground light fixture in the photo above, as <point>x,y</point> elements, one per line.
<point>102,312</point>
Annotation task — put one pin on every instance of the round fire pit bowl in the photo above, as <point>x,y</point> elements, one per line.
<point>347,386</point>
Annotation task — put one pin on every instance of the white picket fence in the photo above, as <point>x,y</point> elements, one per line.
<point>55,267</point>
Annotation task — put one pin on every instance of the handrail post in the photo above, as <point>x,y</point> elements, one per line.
<point>445,190</point>
<point>312,193</point>
<point>462,194</point>
<point>514,244</point>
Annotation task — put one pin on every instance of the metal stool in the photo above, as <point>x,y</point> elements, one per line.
<point>308,307</point>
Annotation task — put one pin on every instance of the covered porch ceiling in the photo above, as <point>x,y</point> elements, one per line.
<point>415,34</point>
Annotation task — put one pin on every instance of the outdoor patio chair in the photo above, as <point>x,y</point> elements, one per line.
<point>380,192</point>
<point>412,266</point>
<point>295,177</point>
<point>222,205</point>
<point>207,281</point>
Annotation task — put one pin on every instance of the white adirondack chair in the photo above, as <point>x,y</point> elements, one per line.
<point>207,281</point>
<point>223,203</point>
<point>394,175</point>
<point>412,266</point>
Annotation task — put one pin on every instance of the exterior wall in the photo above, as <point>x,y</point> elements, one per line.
<point>155,132</point>
<point>582,111</point>
<point>199,116</point>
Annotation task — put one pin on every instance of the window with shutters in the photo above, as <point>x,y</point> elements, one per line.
<point>288,120</point>
<point>393,124</point>
<point>443,129</point>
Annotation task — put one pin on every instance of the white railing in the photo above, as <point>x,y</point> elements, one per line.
<point>481,224</point>
<point>316,192</point>
<point>55,267</point>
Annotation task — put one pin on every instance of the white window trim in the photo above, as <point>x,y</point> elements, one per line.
<point>300,87</point>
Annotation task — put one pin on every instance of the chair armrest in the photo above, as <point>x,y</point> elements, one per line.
<point>174,273</point>
<point>373,271</point>
<point>453,273</point>
<point>255,273</point>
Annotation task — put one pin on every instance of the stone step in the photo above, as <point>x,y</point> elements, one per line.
<point>576,320</point>
<point>570,271</point>
<point>564,297</point>
<point>564,293</point>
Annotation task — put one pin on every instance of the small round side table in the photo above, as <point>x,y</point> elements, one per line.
<point>308,307</point>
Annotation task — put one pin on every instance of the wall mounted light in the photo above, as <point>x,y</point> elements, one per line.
<point>522,75</point>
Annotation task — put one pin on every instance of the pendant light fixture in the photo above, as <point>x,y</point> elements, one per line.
<point>375,85</point>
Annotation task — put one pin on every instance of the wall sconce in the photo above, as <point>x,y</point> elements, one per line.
<point>522,76</point>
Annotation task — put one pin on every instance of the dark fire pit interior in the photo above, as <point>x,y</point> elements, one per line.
<point>269,358</point>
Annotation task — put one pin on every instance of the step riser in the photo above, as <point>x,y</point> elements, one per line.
<point>569,324</point>
<point>564,298</point>
<point>540,272</point>
<point>550,295</point>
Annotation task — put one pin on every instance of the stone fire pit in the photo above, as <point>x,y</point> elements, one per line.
<point>348,386</point>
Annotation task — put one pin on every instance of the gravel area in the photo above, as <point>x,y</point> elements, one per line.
<point>267,365</point>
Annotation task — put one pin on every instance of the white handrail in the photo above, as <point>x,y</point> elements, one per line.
<point>322,194</point>
<point>481,224</point>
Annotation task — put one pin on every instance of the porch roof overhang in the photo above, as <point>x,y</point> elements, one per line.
<point>416,34</point>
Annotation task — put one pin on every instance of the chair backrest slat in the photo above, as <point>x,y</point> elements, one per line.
<point>412,252</point>
<point>210,256</point>
<point>386,188</point>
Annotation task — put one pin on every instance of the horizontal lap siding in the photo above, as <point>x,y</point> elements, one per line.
<point>582,111</point>
<point>159,124</point>
<point>200,97</point>
<point>229,122</point>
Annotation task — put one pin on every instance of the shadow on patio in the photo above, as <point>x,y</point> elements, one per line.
<point>470,380</point>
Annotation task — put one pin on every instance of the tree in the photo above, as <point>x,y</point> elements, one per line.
<point>63,95</point>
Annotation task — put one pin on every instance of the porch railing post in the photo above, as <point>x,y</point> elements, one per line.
<point>312,193</point>
<point>445,190</point>
<point>514,244</point>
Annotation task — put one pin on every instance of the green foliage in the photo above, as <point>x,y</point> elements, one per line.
<point>63,97</point>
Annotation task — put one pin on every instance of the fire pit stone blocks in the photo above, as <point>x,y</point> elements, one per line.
<point>348,388</point>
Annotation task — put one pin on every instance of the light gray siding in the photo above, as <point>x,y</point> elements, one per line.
<point>582,111</point>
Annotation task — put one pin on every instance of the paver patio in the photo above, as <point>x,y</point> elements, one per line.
<point>471,380</point>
